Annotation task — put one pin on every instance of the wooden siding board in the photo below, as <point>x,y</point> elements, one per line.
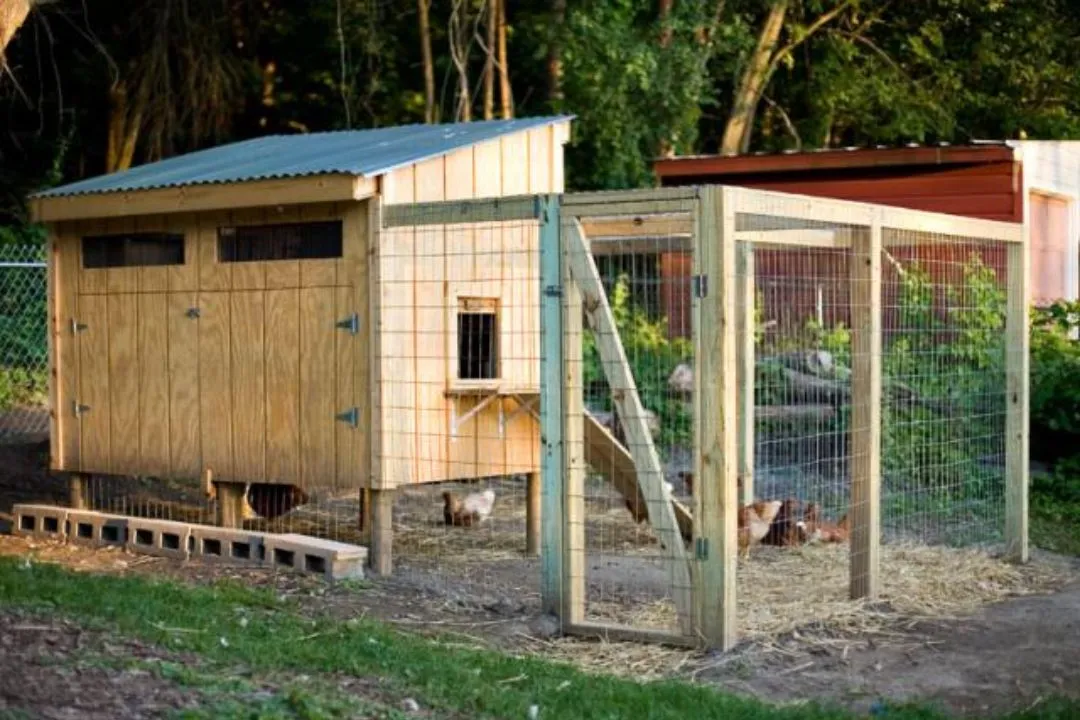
<point>153,396</point>
<point>94,424</point>
<point>248,378</point>
<point>65,370</point>
<point>317,365</point>
<point>248,275</point>
<point>284,273</point>
<point>319,273</point>
<point>283,386</point>
<point>185,446</point>
<point>123,324</point>
<point>215,386</point>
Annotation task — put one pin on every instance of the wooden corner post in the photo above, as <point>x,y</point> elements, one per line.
<point>865,511</point>
<point>1017,360</point>
<point>716,411</point>
<point>745,294</point>
<point>552,410</point>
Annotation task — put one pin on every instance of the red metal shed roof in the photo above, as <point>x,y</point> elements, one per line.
<point>834,159</point>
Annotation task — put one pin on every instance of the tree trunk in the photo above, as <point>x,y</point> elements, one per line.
<point>124,125</point>
<point>425,53</point>
<point>741,121</point>
<point>459,55</point>
<point>489,59</point>
<point>665,30</point>
<point>554,58</point>
<point>12,15</point>
<point>506,100</point>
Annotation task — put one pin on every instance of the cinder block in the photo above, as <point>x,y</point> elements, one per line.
<point>45,522</point>
<point>96,529</point>
<point>225,544</point>
<point>163,538</point>
<point>332,560</point>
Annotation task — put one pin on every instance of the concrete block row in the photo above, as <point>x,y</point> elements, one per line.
<point>165,538</point>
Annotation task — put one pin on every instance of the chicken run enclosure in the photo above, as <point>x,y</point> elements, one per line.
<point>703,413</point>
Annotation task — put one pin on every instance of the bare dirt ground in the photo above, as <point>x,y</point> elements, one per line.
<point>1008,656</point>
<point>480,590</point>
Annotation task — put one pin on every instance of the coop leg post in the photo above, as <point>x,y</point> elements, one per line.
<point>364,516</point>
<point>382,531</point>
<point>230,504</point>
<point>532,515</point>
<point>1017,413</point>
<point>865,508</point>
<point>744,299</point>
<point>79,491</point>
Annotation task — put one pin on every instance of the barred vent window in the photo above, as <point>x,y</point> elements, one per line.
<point>287,241</point>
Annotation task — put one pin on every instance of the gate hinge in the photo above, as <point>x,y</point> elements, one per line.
<point>701,548</point>
<point>553,291</point>
<point>78,409</point>
<point>701,285</point>
<point>351,323</point>
<point>350,416</point>
<point>76,326</point>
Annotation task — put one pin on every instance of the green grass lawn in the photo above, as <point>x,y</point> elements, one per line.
<point>229,626</point>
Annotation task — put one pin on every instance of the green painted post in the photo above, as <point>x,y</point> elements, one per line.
<point>551,406</point>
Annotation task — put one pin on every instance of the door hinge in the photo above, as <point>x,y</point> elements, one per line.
<point>78,409</point>
<point>701,286</point>
<point>701,548</point>
<point>350,416</point>
<point>553,291</point>
<point>76,326</point>
<point>351,323</point>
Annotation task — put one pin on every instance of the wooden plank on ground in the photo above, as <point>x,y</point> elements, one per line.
<point>632,413</point>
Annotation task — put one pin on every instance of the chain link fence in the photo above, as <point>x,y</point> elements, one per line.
<point>24,356</point>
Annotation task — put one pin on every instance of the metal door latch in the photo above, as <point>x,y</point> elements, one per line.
<point>351,323</point>
<point>350,416</point>
<point>194,313</point>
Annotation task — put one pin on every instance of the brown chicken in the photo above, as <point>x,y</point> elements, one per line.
<point>754,523</point>
<point>272,500</point>
<point>788,528</point>
<point>818,530</point>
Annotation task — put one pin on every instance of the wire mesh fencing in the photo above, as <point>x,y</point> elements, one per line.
<point>24,415</point>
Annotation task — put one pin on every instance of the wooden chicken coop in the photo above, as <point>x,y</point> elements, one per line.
<point>241,313</point>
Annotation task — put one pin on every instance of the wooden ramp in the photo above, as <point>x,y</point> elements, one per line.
<point>608,457</point>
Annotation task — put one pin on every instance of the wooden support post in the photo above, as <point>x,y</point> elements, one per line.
<point>79,491</point>
<point>1017,360</point>
<point>231,499</point>
<point>364,516</point>
<point>551,410</point>
<point>382,532</point>
<point>532,515</point>
<point>573,436</point>
<point>745,294</point>
<point>865,277</point>
<point>716,407</point>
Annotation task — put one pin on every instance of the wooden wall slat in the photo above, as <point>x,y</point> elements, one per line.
<point>124,382</point>
<point>317,423</point>
<point>213,275</point>
<point>121,279</point>
<point>284,273</point>
<point>248,378</point>
<point>65,370</point>
<point>153,278</point>
<point>319,273</point>
<point>185,442</point>
<point>186,276</point>
<point>283,397</point>
<point>93,345</point>
<point>248,275</point>
<point>154,448</point>
<point>91,281</point>
<point>346,350</point>
<point>215,386</point>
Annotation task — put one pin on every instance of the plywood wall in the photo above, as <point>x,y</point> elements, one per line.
<point>422,271</point>
<point>236,367</point>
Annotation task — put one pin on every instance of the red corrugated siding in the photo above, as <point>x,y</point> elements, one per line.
<point>990,191</point>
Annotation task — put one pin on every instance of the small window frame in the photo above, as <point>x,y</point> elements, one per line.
<point>105,251</point>
<point>281,242</point>
<point>471,304</point>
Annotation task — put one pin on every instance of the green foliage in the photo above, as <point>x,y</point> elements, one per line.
<point>23,387</point>
<point>652,355</point>
<point>1055,379</point>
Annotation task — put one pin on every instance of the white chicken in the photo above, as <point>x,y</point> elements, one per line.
<point>475,508</point>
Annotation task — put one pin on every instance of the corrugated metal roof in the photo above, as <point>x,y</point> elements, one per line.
<point>348,152</point>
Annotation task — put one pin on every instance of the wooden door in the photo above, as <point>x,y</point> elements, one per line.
<point>1049,242</point>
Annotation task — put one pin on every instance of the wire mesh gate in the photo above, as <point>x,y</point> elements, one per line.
<point>24,415</point>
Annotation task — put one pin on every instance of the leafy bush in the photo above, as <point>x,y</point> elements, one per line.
<point>20,387</point>
<point>652,355</point>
